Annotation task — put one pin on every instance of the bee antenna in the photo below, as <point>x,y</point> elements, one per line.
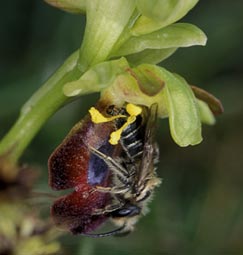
<point>110,233</point>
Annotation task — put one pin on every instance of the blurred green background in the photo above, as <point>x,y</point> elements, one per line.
<point>199,207</point>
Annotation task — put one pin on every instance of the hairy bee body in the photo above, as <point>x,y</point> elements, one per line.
<point>133,171</point>
<point>109,181</point>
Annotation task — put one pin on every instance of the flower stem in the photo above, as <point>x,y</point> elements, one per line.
<point>45,102</point>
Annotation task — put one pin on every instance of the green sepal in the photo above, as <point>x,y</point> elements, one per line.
<point>96,78</point>
<point>173,36</point>
<point>160,13</point>
<point>106,21</point>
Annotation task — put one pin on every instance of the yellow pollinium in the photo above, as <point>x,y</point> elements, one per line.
<point>97,117</point>
<point>132,110</point>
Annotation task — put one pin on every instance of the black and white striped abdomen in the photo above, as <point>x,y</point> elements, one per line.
<point>132,139</point>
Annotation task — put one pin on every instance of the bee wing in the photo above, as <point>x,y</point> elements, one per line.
<point>147,163</point>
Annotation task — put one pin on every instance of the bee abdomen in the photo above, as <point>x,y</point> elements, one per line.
<point>132,139</point>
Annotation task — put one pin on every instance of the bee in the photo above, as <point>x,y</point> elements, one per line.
<point>134,176</point>
<point>110,181</point>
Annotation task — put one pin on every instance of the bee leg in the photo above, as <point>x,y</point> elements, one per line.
<point>109,208</point>
<point>112,190</point>
<point>114,165</point>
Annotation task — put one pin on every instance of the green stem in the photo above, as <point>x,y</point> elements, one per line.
<point>46,101</point>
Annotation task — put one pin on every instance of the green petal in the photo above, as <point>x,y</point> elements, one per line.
<point>74,6</point>
<point>150,56</point>
<point>173,36</point>
<point>96,78</point>
<point>160,13</point>
<point>206,114</point>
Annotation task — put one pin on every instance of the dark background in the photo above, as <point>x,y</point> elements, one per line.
<point>199,207</point>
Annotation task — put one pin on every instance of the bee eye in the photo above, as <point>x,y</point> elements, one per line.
<point>127,210</point>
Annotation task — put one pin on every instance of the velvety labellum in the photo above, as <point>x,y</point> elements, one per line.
<point>73,166</point>
<point>97,170</point>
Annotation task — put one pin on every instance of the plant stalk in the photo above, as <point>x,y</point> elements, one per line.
<point>44,103</point>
